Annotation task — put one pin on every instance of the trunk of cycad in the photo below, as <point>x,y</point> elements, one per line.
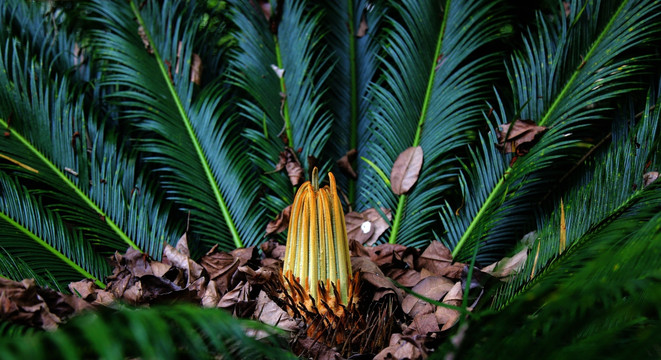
<point>318,280</point>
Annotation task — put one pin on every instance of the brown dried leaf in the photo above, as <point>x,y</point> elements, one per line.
<point>507,266</point>
<point>446,317</point>
<point>83,288</point>
<point>221,267</point>
<point>211,296</point>
<point>438,260</point>
<point>272,249</point>
<point>196,69</point>
<point>650,177</point>
<point>371,274</point>
<point>454,295</point>
<point>145,40</point>
<point>423,324</point>
<point>289,161</point>
<point>362,28</point>
<point>433,287</point>
<point>405,277</point>
<point>345,163</point>
<point>268,312</point>
<point>366,227</point>
<point>280,223</point>
<point>405,170</point>
<point>386,253</point>
<point>520,138</point>
<point>401,348</point>
<point>310,348</point>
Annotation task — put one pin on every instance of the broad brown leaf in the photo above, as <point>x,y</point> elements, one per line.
<point>650,177</point>
<point>345,163</point>
<point>366,227</point>
<point>507,266</point>
<point>438,260</point>
<point>196,69</point>
<point>405,170</point>
<point>289,161</point>
<point>280,223</point>
<point>520,137</point>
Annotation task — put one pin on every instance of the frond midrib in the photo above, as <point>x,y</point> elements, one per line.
<point>89,202</point>
<point>229,221</point>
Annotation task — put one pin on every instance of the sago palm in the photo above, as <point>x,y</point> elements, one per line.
<point>126,124</point>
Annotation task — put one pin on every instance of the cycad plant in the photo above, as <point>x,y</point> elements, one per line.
<point>126,124</point>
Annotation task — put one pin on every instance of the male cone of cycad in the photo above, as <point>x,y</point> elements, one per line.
<point>317,253</point>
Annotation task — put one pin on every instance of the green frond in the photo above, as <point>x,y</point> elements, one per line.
<point>430,95</point>
<point>290,107</point>
<point>555,88</point>
<point>355,60</point>
<point>189,135</point>
<point>37,238</point>
<point>598,301</point>
<point>49,133</point>
<point>173,332</point>
<point>611,185</point>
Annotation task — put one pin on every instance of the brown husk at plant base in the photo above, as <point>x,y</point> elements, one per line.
<point>244,281</point>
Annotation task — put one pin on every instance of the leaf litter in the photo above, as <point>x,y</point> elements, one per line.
<point>243,281</point>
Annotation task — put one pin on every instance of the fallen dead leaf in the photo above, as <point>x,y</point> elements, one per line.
<point>432,287</point>
<point>504,268</point>
<point>345,164</point>
<point>370,273</point>
<point>520,137</point>
<point>438,260</point>
<point>196,69</point>
<point>401,347</point>
<point>280,223</point>
<point>650,177</point>
<point>268,312</point>
<point>405,170</point>
<point>366,227</point>
<point>423,324</point>
<point>289,161</point>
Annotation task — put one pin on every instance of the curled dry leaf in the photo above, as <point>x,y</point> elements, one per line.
<point>370,273</point>
<point>650,177</point>
<point>519,136</point>
<point>26,303</point>
<point>367,226</point>
<point>289,161</point>
<point>196,69</point>
<point>280,223</point>
<point>268,312</point>
<point>507,266</point>
<point>345,163</point>
<point>405,170</point>
<point>433,287</point>
<point>423,324</point>
<point>401,347</point>
<point>438,260</point>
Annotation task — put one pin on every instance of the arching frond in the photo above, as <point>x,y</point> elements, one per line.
<point>190,137</point>
<point>430,95</point>
<point>37,238</point>
<point>286,107</point>
<point>563,80</point>
<point>613,183</point>
<point>48,132</point>
<point>600,300</point>
<point>173,332</point>
<point>354,28</point>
